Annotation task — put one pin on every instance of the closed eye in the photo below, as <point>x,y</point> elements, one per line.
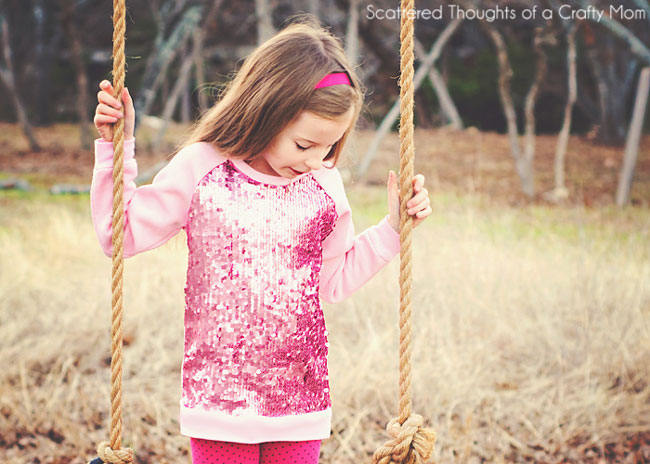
<point>301,147</point>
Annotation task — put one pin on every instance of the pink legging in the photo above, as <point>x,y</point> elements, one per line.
<point>275,452</point>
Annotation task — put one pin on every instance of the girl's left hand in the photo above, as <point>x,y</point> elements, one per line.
<point>418,205</point>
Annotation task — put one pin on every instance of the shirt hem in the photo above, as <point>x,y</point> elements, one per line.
<point>216,425</point>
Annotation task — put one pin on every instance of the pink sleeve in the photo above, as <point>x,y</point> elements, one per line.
<point>350,261</point>
<point>153,213</point>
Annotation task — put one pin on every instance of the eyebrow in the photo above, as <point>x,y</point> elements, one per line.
<point>307,140</point>
<point>311,141</point>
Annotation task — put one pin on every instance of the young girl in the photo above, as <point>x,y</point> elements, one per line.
<point>269,233</point>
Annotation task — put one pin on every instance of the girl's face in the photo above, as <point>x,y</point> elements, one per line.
<point>302,145</point>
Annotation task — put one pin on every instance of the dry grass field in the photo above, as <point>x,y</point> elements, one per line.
<point>531,322</point>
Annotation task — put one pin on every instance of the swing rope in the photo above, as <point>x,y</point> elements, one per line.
<point>411,443</point>
<point>111,452</point>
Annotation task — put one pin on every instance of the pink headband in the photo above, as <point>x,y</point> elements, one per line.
<point>334,79</point>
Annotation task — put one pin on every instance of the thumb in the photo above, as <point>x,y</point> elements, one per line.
<point>126,96</point>
<point>392,182</point>
<point>392,185</point>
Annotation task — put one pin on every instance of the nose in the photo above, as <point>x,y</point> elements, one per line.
<point>314,163</point>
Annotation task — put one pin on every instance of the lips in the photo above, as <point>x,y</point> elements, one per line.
<point>296,172</point>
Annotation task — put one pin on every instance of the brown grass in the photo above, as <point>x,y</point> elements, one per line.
<point>531,337</point>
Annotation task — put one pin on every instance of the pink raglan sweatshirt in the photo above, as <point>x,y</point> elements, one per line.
<point>262,252</point>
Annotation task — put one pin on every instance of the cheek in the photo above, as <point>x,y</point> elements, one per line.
<point>275,158</point>
<point>286,153</point>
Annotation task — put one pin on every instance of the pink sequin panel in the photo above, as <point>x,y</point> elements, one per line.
<point>255,336</point>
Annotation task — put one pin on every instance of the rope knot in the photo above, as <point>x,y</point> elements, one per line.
<point>411,443</point>
<point>109,455</point>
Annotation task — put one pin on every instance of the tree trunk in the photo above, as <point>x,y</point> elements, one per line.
<point>622,33</point>
<point>374,38</point>
<point>264,13</point>
<point>7,78</point>
<point>162,55</point>
<point>560,190</point>
<point>444,99</point>
<point>352,34</point>
<point>633,138</point>
<point>199,69</point>
<point>42,63</point>
<point>186,92</point>
<point>613,69</point>
<point>69,26</point>
<point>392,114</point>
<point>422,111</point>
<point>505,73</point>
<point>172,101</point>
<point>529,111</point>
<point>191,57</point>
<point>312,7</point>
<point>199,38</point>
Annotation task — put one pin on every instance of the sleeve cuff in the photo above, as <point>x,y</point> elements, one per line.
<point>104,152</point>
<point>389,240</point>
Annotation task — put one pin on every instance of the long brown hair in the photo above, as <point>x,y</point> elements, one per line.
<point>274,86</point>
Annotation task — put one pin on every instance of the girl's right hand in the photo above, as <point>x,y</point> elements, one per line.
<point>109,110</point>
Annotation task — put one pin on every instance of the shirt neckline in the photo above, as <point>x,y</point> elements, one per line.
<point>254,174</point>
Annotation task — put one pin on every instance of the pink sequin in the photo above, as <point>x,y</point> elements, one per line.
<point>255,335</point>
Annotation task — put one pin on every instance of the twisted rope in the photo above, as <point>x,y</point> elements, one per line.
<point>113,453</point>
<point>411,443</point>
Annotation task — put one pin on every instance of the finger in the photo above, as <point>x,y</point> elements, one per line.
<point>424,213</point>
<point>107,87</point>
<point>419,206</point>
<point>104,119</point>
<point>418,182</point>
<point>106,97</point>
<point>107,110</point>
<point>418,198</point>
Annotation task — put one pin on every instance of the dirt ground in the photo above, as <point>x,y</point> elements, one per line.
<point>465,162</point>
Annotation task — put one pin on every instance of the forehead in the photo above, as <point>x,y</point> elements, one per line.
<point>318,129</point>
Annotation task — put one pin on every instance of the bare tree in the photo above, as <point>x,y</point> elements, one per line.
<point>199,67</point>
<point>633,138</point>
<point>614,67</point>
<point>164,52</point>
<point>523,159</point>
<point>446,103</point>
<point>7,76</point>
<point>352,33</point>
<point>264,13</point>
<point>637,47</point>
<point>69,21</point>
<point>187,61</point>
<point>505,74</point>
<point>392,114</point>
<point>46,45</point>
<point>531,100</point>
<point>613,70</point>
<point>312,7</point>
<point>560,191</point>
